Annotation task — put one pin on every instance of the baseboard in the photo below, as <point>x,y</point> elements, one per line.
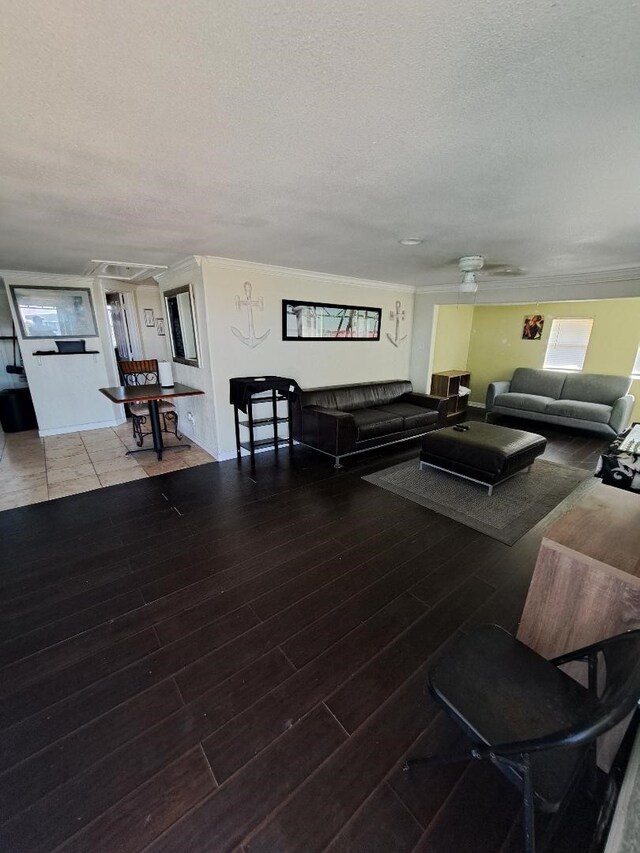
<point>43,433</point>
<point>198,441</point>
<point>225,455</point>
<point>475,405</point>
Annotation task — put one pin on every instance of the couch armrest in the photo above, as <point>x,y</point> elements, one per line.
<point>493,390</point>
<point>330,430</point>
<point>429,401</point>
<point>621,413</point>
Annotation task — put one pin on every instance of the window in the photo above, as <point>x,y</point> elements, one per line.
<point>568,342</point>
<point>636,365</point>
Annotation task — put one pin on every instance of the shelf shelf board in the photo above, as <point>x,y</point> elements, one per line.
<point>267,398</point>
<point>259,422</point>
<point>264,442</point>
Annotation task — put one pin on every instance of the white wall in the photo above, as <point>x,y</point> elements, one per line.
<point>65,389</point>
<point>202,429</point>
<point>217,281</point>
<point>310,363</point>
<point>153,344</point>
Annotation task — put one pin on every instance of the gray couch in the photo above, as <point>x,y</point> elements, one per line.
<point>587,401</point>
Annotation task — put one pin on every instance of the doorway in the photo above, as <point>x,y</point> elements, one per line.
<point>122,324</point>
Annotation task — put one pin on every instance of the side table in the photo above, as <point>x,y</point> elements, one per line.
<point>245,392</point>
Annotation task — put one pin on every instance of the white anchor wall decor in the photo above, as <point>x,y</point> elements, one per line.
<point>251,340</point>
<point>397,315</point>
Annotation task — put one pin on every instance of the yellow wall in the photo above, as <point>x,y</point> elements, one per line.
<point>496,347</point>
<point>454,323</point>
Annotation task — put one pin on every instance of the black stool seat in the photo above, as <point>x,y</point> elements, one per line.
<point>501,691</point>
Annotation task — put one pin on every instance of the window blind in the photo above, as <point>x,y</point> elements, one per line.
<point>568,342</point>
<point>636,364</point>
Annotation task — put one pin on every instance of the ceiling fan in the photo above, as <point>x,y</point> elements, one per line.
<point>469,265</point>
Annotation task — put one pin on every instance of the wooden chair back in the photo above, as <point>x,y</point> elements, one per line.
<point>141,372</point>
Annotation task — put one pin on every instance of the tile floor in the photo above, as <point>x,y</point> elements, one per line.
<point>34,469</point>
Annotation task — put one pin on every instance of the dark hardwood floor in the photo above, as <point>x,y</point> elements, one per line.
<point>210,661</point>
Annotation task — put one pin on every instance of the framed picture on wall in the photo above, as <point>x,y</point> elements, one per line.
<point>325,321</point>
<point>160,326</point>
<point>533,326</point>
<point>54,312</point>
<point>149,319</point>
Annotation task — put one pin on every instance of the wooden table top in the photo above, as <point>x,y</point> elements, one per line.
<point>605,526</point>
<point>142,393</point>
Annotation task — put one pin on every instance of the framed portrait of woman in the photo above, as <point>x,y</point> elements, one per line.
<point>532,329</point>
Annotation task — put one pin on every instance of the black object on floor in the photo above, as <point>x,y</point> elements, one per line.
<point>16,410</point>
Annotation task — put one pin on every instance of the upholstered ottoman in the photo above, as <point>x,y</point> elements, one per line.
<point>484,453</point>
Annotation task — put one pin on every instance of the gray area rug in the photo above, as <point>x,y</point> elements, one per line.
<point>514,508</point>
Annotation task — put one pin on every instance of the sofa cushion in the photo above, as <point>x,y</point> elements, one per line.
<point>350,397</point>
<point>542,383</point>
<point>523,402</point>
<point>596,412</point>
<point>413,417</point>
<point>595,388</point>
<point>371,423</point>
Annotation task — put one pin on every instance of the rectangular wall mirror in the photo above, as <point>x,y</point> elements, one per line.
<point>325,321</point>
<point>181,319</point>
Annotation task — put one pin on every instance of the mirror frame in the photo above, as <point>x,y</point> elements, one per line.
<point>22,292</point>
<point>376,312</point>
<point>168,294</point>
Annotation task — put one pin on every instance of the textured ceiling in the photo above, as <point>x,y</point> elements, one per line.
<point>315,134</point>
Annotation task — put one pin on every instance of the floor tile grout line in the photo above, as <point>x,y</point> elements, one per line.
<point>404,805</point>
<point>52,645</point>
<point>375,580</point>
<point>208,763</point>
<point>192,701</point>
<point>294,668</point>
<point>172,675</point>
<point>245,838</point>
<point>113,805</point>
<point>86,687</point>
<point>177,686</point>
<point>84,726</point>
<point>393,770</point>
<point>322,701</point>
<point>158,723</point>
<point>86,447</point>
<point>330,712</point>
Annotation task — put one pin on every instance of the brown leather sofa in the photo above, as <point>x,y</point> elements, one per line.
<point>347,419</point>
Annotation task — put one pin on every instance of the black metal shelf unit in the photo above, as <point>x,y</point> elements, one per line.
<point>249,391</point>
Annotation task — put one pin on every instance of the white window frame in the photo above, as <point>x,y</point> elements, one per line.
<point>635,372</point>
<point>574,334</point>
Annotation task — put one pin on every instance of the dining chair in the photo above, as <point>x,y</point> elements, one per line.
<point>145,372</point>
<point>534,722</point>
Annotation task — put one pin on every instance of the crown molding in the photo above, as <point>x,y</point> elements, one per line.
<point>27,277</point>
<point>291,272</point>
<point>191,262</point>
<point>565,280</point>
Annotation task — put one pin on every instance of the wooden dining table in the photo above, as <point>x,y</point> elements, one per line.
<point>152,395</point>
